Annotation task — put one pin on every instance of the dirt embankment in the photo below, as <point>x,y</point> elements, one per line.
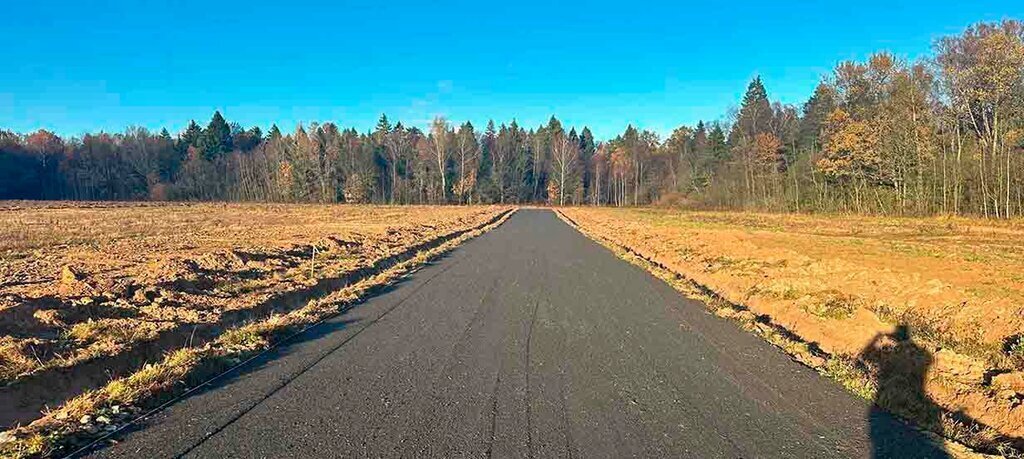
<point>929,309</point>
<point>92,292</point>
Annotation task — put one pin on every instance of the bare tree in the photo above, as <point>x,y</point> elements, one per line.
<point>564,170</point>
<point>439,143</point>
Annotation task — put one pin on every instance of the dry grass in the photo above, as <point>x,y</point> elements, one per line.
<point>93,291</point>
<point>838,283</point>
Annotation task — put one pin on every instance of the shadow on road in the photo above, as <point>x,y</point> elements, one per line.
<point>901,367</point>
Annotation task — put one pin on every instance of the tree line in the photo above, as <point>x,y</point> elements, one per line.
<point>944,134</point>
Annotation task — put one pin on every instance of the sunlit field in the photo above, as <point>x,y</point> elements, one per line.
<point>841,282</point>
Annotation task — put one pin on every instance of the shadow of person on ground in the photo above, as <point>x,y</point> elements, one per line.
<point>901,367</point>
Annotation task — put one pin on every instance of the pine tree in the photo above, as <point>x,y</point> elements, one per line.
<point>488,142</point>
<point>381,132</point>
<point>255,135</point>
<point>190,138</point>
<point>554,125</point>
<point>386,150</point>
<point>753,118</point>
<point>587,145</point>
<point>168,157</point>
<point>216,139</point>
<point>383,126</point>
<point>700,139</point>
<point>275,132</point>
<point>816,110</point>
<point>717,143</point>
<point>755,114</point>
<point>192,134</point>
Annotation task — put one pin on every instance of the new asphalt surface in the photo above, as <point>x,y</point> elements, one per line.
<point>528,341</point>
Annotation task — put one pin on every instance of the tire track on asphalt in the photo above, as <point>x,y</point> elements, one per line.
<point>450,362</point>
<point>313,364</point>
<point>529,390</point>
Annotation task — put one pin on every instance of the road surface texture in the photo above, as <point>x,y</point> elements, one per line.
<point>529,341</point>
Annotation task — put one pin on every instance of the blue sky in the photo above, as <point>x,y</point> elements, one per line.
<point>73,67</point>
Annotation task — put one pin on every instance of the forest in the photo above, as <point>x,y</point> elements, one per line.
<point>940,135</point>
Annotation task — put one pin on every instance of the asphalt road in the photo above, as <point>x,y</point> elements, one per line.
<point>529,341</point>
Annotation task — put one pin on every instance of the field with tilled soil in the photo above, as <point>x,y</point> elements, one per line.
<point>91,292</point>
<point>840,287</point>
